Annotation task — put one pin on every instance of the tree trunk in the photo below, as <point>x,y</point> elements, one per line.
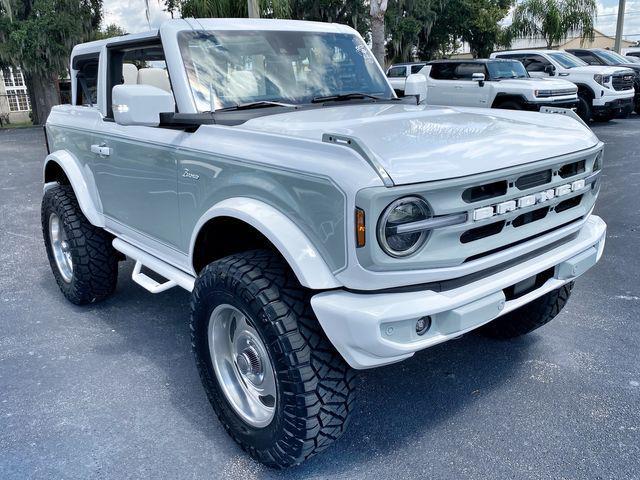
<point>378,9</point>
<point>43,94</point>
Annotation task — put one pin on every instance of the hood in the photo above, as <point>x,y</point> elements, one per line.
<point>420,143</point>
<point>538,83</point>
<point>598,69</point>
<point>632,66</point>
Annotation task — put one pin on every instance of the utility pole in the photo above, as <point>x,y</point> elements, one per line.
<point>619,25</point>
<point>254,8</point>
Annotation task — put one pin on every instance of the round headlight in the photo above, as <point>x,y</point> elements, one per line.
<point>402,211</point>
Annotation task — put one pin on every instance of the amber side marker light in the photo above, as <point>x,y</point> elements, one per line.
<point>361,229</point>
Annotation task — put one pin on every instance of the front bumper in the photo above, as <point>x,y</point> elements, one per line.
<point>620,106</point>
<point>535,106</point>
<point>374,329</point>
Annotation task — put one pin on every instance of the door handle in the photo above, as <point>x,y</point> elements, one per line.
<point>458,87</point>
<point>101,150</point>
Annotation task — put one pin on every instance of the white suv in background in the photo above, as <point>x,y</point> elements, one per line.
<point>397,74</point>
<point>603,92</point>
<point>494,83</point>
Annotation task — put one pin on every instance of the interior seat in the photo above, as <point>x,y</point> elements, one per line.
<point>242,84</point>
<point>129,73</point>
<point>156,77</point>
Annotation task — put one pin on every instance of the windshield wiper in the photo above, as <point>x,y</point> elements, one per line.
<point>346,96</point>
<point>259,104</point>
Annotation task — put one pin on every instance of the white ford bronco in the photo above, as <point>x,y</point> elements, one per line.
<point>492,84</point>
<point>321,224</point>
<point>603,92</point>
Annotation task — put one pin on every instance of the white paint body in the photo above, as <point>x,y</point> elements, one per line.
<point>467,93</point>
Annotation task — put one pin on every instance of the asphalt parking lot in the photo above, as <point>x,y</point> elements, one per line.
<point>111,390</point>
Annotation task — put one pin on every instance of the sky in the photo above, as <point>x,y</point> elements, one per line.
<point>130,16</point>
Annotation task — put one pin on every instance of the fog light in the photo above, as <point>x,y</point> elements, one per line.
<point>423,325</point>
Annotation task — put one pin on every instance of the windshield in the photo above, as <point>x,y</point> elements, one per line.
<point>504,69</point>
<point>567,60</point>
<point>230,68</point>
<point>612,57</point>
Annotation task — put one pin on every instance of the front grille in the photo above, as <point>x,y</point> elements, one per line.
<point>452,246</point>
<point>519,242</point>
<point>482,232</point>
<point>484,192</point>
<point>557,93</point>
<point>622,81</point>
<point>571,169</point>
<point>569,203</point>
<point>532,180</point>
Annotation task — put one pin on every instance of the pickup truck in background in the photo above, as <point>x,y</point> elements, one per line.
<point>600,56</point>
<point>603,92</point>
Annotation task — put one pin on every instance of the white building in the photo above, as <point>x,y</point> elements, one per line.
<point>14,99</point>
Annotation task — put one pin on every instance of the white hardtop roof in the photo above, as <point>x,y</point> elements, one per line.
<point>181,24</point>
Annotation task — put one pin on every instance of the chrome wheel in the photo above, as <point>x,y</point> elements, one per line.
<point>242,365</point>
<point>60,247</point>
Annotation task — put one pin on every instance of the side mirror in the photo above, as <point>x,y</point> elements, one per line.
<point>140,104</point>
<point>550,70</point>
<point>478,77</point>
<point>416,85</point>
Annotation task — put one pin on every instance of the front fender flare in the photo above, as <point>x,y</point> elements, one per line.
<point>301,255</point>
<point>82,182</point>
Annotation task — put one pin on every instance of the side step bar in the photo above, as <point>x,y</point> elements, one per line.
<point>174,276</point>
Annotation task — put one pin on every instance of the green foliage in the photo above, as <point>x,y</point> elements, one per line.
<point>554,20</point>
<point>349,12</point>
<point>429,29</point>
<point>111,30</point>
<point>38,35</point>
<point>471,21</point>
<point>228,8</point>
<point>408,24</point>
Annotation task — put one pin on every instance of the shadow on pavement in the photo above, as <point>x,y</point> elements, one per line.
<point>396,403</point>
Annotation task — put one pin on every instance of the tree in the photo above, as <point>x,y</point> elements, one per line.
<point>473,21</point>
<point>37,36</point>
<point>481,28</point>
<point>228,8</point>
<point>349,12</point>
<point>407,23</point>
<point>377,10</point>
<point>111,30</point>
<point>554,20</point>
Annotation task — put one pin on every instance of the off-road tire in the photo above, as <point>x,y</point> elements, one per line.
<point>315,387</point>
<point>95,261</point>
<point>584,109</point>
<point>529,317</point>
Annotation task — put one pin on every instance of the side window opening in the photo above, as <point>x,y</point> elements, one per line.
<point>416,68</point>
<point>137,64</point>
<point>465,71</point>
<point>86,80</point>
<point>442,71</point>
<point>396,72</point>
<point>535,63</point>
